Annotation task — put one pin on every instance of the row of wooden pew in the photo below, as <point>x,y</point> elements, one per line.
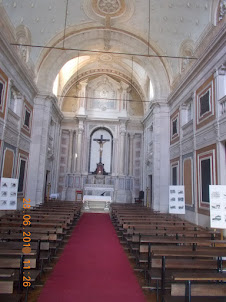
<point>29,240</point>
<point>181,260</point>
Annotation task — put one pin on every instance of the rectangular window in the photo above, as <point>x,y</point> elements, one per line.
<point>205,103</point>
<point>174,176</point>
<point>27,119</point>
<point>21,176</point>
<point>1,92</point>
<point>206,179</point>
<point>207,175</point>
<point>175,127</point>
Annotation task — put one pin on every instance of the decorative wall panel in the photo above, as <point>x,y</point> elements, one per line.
<point>206,175</point>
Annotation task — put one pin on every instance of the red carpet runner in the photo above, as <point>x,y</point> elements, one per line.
<point>93,267</point>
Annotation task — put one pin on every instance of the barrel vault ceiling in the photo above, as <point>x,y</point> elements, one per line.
<point>141,39</point>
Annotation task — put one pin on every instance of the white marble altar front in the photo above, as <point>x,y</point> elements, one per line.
<point>98,189</point>
<point>96,203</point>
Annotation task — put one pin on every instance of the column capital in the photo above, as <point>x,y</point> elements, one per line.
<point>80,130</point>
<point>124,86</point>
<point>82,85</point>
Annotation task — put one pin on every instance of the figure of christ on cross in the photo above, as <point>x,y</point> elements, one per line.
<point>101,141</point>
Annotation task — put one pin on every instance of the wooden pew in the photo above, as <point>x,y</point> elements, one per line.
<point>174,261</point>
<point>198,284</point>
<point>18,264</point>
<point>39,248</point>
<point>171,233</point>
<point>49,224</point>
<point>7,287</point>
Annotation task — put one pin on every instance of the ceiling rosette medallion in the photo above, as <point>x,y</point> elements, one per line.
<point>112,8</point>
<point>98,10</point>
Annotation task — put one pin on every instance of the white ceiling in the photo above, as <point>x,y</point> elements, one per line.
<point>171,23</point>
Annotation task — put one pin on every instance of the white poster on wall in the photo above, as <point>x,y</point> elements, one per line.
<point>176,200</point>
<point>8,193</point>
<point>217,206</point>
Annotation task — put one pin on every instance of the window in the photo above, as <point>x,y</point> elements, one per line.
<point>207,175</point>
<point>205,103</point>
<point>206,179</point>
<point>27,118</point>
<point>175,171</point>
<point>1,92</point>
<point>21,176</point>
<point>174,174</point>
<point>175,127</point>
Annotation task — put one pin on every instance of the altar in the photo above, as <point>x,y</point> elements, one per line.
<point>96,204</point>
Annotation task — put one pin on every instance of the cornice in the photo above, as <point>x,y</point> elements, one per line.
<point>56,108</point>
<point>219,42</point>
<point>15,65</point>
<point>153,104</point>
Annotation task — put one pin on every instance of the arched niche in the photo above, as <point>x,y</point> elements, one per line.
<point>94,152</point>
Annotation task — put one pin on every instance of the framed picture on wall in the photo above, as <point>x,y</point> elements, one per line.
<point>8,193</point>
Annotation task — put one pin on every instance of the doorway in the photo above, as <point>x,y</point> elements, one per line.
<point>150,190</point>
<point>46,183</point>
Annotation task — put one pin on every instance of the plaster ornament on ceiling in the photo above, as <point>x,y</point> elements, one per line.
<point>104,89</point>
<point>102,10</point>
<point>109,6</point>
<point>23,36</point>
<point>107,40</point>
<point>222,9</point>
<point>186,50</point>
<point>106,57</point>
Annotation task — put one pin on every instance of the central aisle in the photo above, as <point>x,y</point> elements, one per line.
<point>93,267</point>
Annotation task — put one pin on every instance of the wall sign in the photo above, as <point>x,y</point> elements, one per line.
<point>8,193</point>
<point>176,200</point>
<point>217,206</point>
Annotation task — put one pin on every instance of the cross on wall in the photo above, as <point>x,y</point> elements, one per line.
<point>101,141</point>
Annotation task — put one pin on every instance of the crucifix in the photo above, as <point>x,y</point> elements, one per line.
<point>101,141</point>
